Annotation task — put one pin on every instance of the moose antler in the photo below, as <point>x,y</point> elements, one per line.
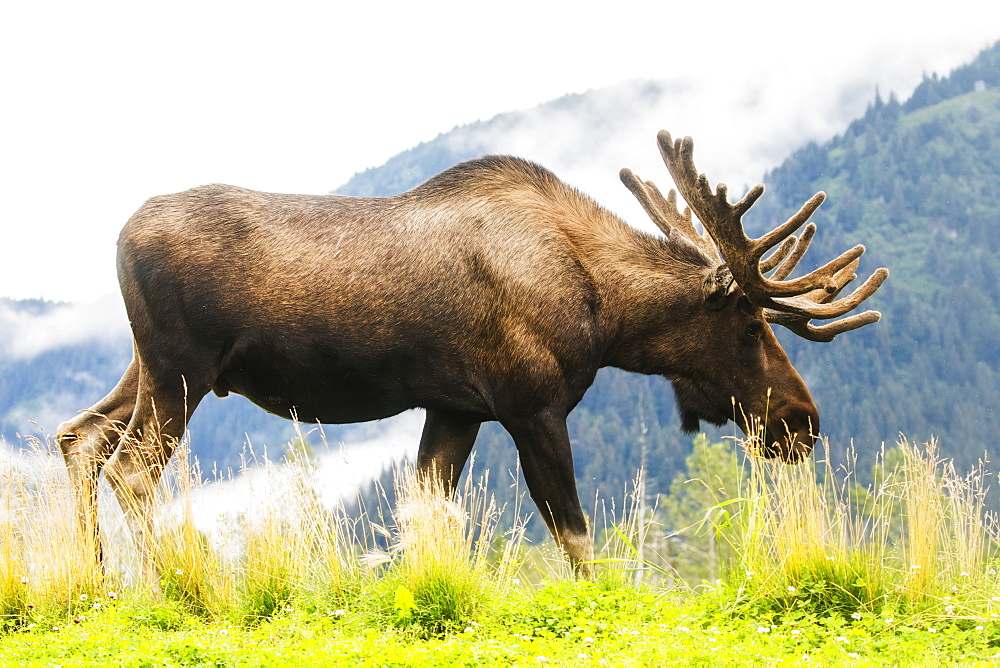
<point>792,303</point>
<point>665,213</point>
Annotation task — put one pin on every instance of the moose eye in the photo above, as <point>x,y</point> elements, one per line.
<point>754,330</point>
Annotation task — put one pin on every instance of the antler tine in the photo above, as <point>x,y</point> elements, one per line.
<point>638,188</point>
<point>795,313</point>
<point>664,212</point>
<point>795,222</point>
<point>841,279</point>
<point>778,256</point>
<point>825,333</point>
<point>803,305</point>
<point>801,244</point>
<point>686,222</point>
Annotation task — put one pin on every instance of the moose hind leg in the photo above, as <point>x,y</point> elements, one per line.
<point>445,445</point>
<point>86,442</point>
<point>547,461</point>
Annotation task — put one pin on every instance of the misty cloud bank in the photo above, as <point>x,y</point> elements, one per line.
<point>27,329</point>
<point>742,127</point>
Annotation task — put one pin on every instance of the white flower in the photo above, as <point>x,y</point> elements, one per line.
<point>339,613</point>
<point>889,620</point>
<point>684,629</point>
<point>711,640</point>
<point>949,609</point>
<point>856,616</point>
<point>763,629</point>
<point>979,628</point>
<point>582,655</point>
<point>840,639</point>
<point>854,655</point>
<point>540,659</point>
<point>914,567</point>
<point>112,595</point>
<point>179,571</point>
<point>24,580</point>
<point>964,574</point>
<point>796,632</point>
<point>83,597</point>
<point>932,630</point>
<point>223,632</point>
<point>588,640</point>
<point>516,581</point>
<point>791,588</point>
<point>97,605</point>
<point>468,629</point>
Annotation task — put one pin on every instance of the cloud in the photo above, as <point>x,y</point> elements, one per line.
<point>338,476</point>
<point>742,126</point>
<point>26,332</point>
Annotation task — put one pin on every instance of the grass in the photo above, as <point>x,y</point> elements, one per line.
<point>917,543</point>
<point>901,572</point>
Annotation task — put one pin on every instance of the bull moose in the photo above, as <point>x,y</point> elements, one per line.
<point>494,291</point>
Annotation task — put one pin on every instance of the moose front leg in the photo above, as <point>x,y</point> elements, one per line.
<point>445,445</point>
<point>547,461</point>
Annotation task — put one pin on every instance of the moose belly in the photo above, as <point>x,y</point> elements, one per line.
<point>332,390</point>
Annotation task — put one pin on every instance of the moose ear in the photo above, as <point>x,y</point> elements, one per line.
<point>719,284</point>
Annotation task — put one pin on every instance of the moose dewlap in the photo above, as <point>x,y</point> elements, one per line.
<point>493,291</point>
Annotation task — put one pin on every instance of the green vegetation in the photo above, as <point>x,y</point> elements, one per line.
<point>809,563</point>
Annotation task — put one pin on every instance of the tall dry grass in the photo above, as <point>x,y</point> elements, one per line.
<point>806,537</point>
<point>44,569</point>
<point>917,540</point>
<point>286,549</point>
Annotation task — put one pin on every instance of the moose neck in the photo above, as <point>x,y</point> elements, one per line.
<point>650,292</point>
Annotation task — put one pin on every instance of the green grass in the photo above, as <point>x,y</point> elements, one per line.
<point>903,572</point>
<point>560,623</point>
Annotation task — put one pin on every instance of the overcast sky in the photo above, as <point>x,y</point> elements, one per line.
<point>106,104</point>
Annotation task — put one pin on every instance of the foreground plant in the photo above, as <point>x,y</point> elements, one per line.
<point>917,541</point>
<point>447,572</point>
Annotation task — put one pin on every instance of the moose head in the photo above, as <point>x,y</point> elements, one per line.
<point>741,372</point>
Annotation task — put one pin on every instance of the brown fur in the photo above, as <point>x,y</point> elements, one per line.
<point>491,292</point>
